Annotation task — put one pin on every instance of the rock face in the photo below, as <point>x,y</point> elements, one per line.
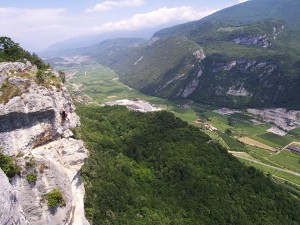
<point>35,130</point>
<point>261,40</point>
<point>192,86</point>
<point>10,209</point>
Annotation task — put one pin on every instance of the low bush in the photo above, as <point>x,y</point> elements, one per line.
<point>54,198</point>
<point>9,166</point>
<point>31,178</point>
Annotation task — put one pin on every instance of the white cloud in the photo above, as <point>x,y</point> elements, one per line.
<point>108,5</point>
<point>155,18</point>
<point>241,1</point>
<point>30,15</point>
<point>37,28</point>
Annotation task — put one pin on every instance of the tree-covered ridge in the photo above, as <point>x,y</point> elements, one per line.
<point>156,169</point>
<point>11,52</point>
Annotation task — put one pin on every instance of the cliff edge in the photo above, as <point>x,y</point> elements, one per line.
<point>36,115</point>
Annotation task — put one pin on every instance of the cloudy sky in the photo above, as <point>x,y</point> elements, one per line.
<point>36,24</point>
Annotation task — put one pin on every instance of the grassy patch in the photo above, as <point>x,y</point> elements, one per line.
<point>273,171</point>
<point>288,160</point>
<point>8,90</point>
<point>232,143</point>
<point>217,120</point>
<point>102,84</point>
<point>295,132</point>
<point>47,79</point>
<point>274,140</point>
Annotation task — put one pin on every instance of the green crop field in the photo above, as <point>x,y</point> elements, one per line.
<point>274,140</point>
<point>102,84</point>
<point>295,132</point>
<point>259,151</point>
<point>242,117</point>
<point>217,120</point>
<point>239,124</point>
<point>250,129</point>
<point>286,176</point>
<point>262,155</point>
<point>287,159</point>
<point>232,143</point>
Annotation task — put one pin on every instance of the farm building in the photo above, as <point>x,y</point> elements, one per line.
<point>294,149</point>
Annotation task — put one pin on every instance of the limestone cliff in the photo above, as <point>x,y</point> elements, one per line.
<point>36,115</point>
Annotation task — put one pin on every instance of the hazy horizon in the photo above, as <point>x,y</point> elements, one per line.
<point>37,25</point>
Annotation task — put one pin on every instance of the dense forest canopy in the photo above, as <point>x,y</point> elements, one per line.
<point>154,168</point>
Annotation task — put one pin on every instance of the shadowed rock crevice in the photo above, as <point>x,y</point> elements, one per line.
<point>16,120</point>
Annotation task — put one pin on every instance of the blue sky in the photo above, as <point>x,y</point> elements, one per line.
<point>36,24</point>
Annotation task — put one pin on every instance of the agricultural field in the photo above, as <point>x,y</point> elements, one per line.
<point>232,143</point>
<point>295,132</point>
<point>217,120</point>
<point>274,140</point>
<point>99,84</point>
<point>255,143</point>
<point>274,172</point>
<point>288,160</point>
<point>264,147</point>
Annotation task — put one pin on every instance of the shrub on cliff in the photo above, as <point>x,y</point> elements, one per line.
<point>54,198</point>
<point>9,166</point>
<point>31,178</point>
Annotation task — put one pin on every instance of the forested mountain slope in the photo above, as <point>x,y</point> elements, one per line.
<point>154,168</point>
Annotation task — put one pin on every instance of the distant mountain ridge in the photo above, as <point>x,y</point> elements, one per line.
<point>250,57</point>
<point>104,48</point>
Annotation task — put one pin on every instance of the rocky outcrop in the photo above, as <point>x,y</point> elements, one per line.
<point>34,118</point>
<point>239,92</point>
<point>192,86</point>
<point>244,66</point>
<point>35,130</point>
<point>277,31</point>
<point>56,165</point>
<point>199,54</point>
<point>11,211</point>
<point>217,67</point>
<point>261,40</point>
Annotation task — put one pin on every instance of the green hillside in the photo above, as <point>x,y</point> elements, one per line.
<point>154,168</point>
<point>252,58</point>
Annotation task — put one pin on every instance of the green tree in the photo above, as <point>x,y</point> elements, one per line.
<point>11,49</point>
